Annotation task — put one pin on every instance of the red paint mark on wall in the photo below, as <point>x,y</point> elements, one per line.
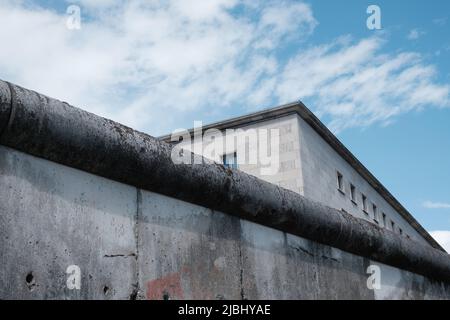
<point>168,287</point>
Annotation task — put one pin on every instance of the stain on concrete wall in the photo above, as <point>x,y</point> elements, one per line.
<point>197,246</point>
<point>52,217</point>
<point>134,244</point>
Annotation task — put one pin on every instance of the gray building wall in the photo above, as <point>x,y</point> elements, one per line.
<point>320,164</point>
<point>131,243</point>
<point>309,166</point>
<point>289,175</point>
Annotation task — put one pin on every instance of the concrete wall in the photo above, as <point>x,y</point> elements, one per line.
<point>320,164</point>
<point>131,243</point>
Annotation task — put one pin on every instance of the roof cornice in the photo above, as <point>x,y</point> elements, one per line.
<point>305,113</point>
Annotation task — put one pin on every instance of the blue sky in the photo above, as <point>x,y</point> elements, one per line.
<point>411,156</point>
<point>160,65</point>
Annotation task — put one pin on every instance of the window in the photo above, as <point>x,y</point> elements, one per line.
<point>353,193</point>
<point>375,213</point>
<point>400,231</point>
<point>340,182</point>
<point>230,160</point>
<point>393,226</point>
<point>364,203</point>
<point>383,215</point>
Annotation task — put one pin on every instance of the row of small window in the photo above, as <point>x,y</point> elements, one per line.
<point>365,207</point>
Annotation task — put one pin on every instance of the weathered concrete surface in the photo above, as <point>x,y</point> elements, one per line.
<point>52,217</point>
<point>50,129</point>
<point>54,130</point>
<point>398,284</point>
<point>134,244</point>
<point>5,105</point>
<point>279,265</point>
<point>187,251</point>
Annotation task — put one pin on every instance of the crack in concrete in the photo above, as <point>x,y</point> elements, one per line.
<point>119,255</point>
<point>241,274</point>
<point>301,249</point>
<point>135,294</point>
<point>329,258</point>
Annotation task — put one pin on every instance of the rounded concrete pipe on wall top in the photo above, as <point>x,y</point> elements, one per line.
<point>54,130</point>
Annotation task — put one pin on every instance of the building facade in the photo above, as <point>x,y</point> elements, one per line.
<point>315,164</point>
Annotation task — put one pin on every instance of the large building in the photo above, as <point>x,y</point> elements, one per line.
<point>315,164</point>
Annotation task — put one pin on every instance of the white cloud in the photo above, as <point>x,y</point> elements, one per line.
<point>415,34</point>
<point>443,238</point>
<point>137,61</point>
<point>150,64</point>
<point>92,4</point>
<point>436,205</point>
<point>356,85</point>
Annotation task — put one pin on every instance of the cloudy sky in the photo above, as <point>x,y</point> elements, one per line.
<point>160,65</point>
